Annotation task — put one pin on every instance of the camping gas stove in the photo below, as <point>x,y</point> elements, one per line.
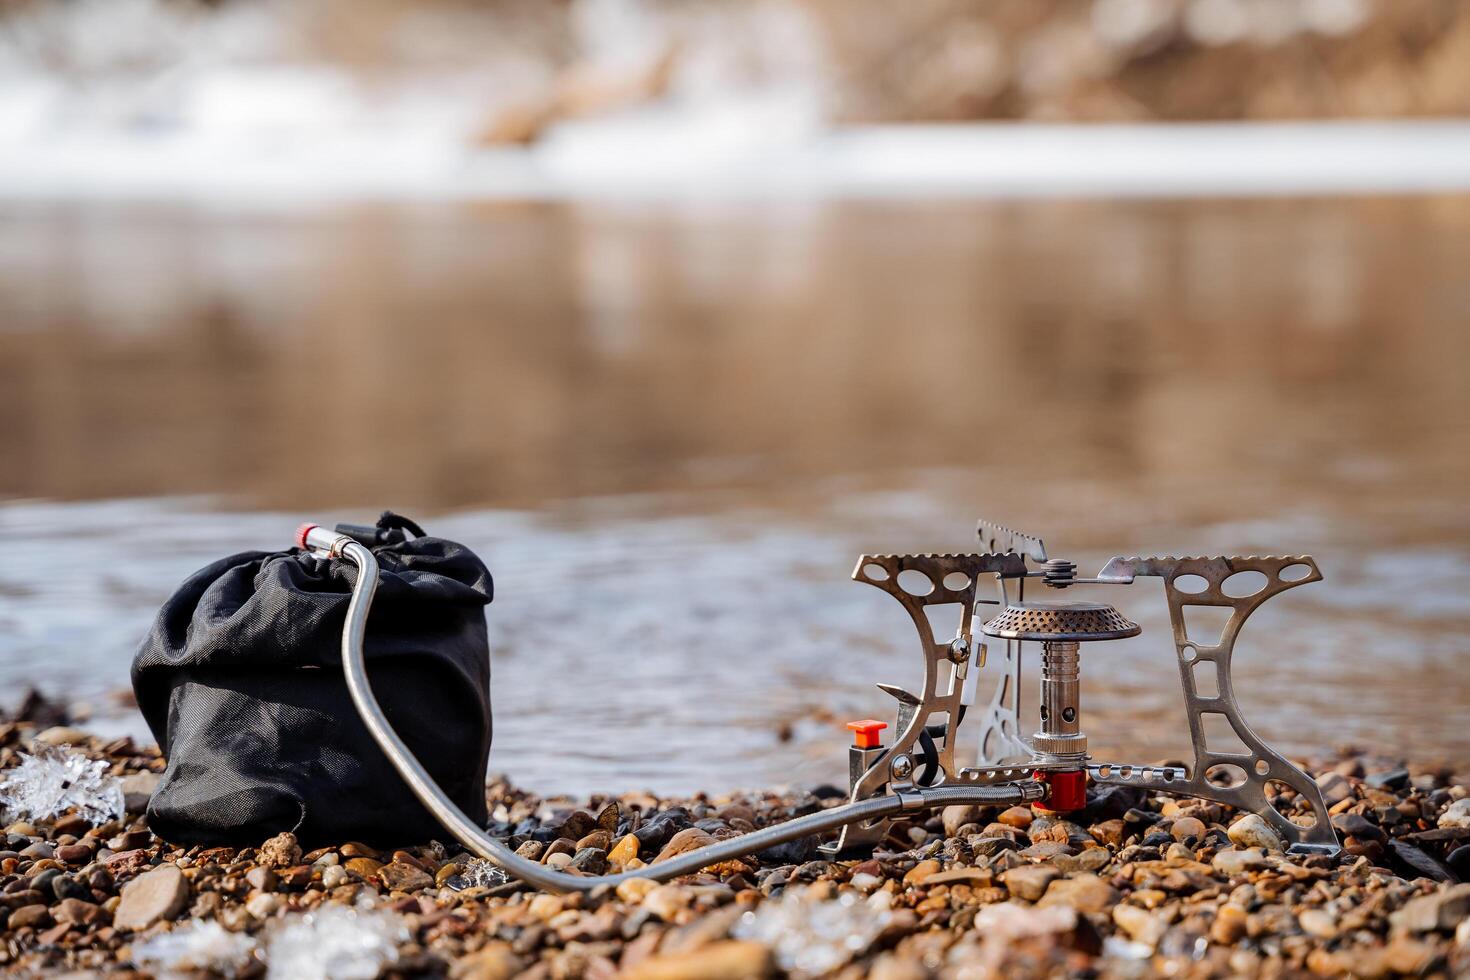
<point>1056,753</point>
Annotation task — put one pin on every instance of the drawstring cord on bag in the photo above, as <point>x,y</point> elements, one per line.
<point>467,832</point>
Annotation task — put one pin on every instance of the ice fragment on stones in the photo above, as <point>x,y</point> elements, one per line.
<point>812,937</point>
<point>194,949</point>
<point>335,943</point>
<point>478,873</point>
<point>53,780</point>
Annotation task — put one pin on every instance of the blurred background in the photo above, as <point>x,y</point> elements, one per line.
<point>672,308</point>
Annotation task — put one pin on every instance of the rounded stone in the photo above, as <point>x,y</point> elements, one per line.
<point>151,897</point>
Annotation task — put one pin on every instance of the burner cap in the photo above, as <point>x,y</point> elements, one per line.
<point>1061,621</point>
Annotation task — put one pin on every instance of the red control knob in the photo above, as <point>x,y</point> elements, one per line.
<point>1068,789</point>
<point>865,732</point>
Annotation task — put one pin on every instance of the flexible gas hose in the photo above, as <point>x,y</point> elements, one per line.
<point>468,833</point>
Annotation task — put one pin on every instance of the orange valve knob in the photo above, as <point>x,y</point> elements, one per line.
<point>865,732</point>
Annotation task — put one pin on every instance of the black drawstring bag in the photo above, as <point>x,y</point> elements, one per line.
<point>241,682</point>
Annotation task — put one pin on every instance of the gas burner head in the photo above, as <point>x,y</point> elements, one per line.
<point>1052,621</point>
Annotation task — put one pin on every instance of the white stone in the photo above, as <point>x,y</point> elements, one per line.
<point>1252,830</point>
<point>1457,814</point>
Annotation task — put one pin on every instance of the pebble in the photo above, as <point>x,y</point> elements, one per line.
<point>154,895</point>
<point>1252,830</point>
<point>402,877</point>
<point>1019,817</point>
<point>262,879</point>
<point>728,959</point>
<point>1141,925</point>
<point>666,901</point>
<point>74,853</point>
<point>1085,893</point>
<point>30,917</point>
<point>689,839</point>
<point>363,867</point>
<point>71,886</point>
<point>495,961</point>
<point>920,872</point>
<point>334,876</point>
<point>1316,922</point>
<point>625,850</point>
<point>62,735</point>
<point>1441,910</point>
<point>73,824</point>
<point>1230,861</point>
<point>263,906</point>
<point>955,817</point>
<point>633,890</point>
<point>281,851</point>
<point>1186,828</point>
<point>1230,924</point>
<point>591,860</point>
<point>1457,814</point>
<point>76,912</point>
<point>1029,881</point>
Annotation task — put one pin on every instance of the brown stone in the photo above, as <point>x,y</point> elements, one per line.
<point>73,823</point>
<point>1085,893</point>
<point>404,877</point>
<point>1230,925</point>
<point>262,879</point>
<point>1185,828</point>
<point>725,960</point>
<point>76,911</point>
<point>126,863</point>
<point>494,961</point>
<point>363,867</point>
<point>689,839</point>
<point>74,853</point>
<point>30,917</point>
<point>1029,881</point>
<point>281,851</point>
<point>161,893</point>
<point>1019,817</point>
<point>920,872</point>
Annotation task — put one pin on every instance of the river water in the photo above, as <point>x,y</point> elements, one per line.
<point>670,429</point>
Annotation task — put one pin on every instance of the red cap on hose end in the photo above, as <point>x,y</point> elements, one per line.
<point>302,532</point>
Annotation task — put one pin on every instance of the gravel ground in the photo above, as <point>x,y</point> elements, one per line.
<point>1137,885</point>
